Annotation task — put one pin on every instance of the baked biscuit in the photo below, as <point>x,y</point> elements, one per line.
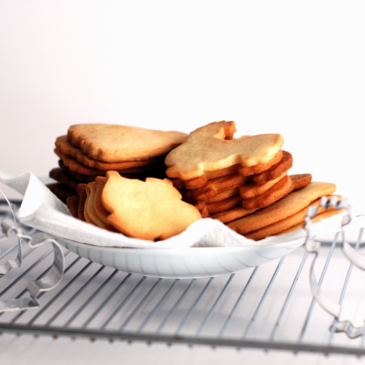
<point>256,169</point>
<point>232,214</point>
<point>116,143</point>
<point>206,149</point>
<point>68,149</point>
<point>81,192</point>
<point>90,208</point>
<point>282,188</point>
<point>224,205</point>
<point>285,207</point>
<point>147,210</point>
<point>61,191</point>
<point>251,189</point>
<point>61,175</point>
<point>274,171</point>
<point>72,203</point>
<point>214,187</point>
<point>292,221</point>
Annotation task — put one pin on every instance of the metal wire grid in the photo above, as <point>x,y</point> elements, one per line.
<point>267,307</point>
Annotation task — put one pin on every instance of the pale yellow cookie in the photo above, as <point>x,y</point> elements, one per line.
<point>116,143</point>
<point>147,210</point>
<point>207,149</point>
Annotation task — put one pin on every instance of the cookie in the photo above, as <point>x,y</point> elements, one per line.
<point>291,221</point>
<point>300,180</point>
<point>77,167</point>
<point>274,171</point>
<point>68,149</point>
<point>116,143</point>
<point>282,188</point>
<point>223,195</point>
<point>147,210</point>
<point>232,214</point>
<point>256,169</point>
<point>206,149</point>
<point>285,207</point>
<point>214,187</point>
<point>61,191</point>
<point>251,189</point>
<point>61,175</point>
<point>72,203</point>
<point>88,178</point>
<point>201,180</point>
<point>326,214</point>
<point>224,205</point>
<point>90,208</point>
<point>81,192</point>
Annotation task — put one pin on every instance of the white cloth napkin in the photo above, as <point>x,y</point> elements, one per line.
<point>42,210</point>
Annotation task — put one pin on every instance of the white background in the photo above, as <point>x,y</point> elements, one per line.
<point>289,67</point>
<point>295,68</point>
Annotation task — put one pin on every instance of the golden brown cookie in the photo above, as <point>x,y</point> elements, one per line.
<point>319,217</point>
<point>274,171</point>
<point>206,149</point>
<point>201,180</point>
<point>214,187</point>
<point>224,205</point>
<point>251,189</point>
<point>232,214</point>
<point>77,167</point>
<point>285,207</point>
<point>68,149</point>
<point>223,195</point>
<point>88,178</point>
<point>300,180</point>
<point>147,210</point>
<point>282,188</point>
<point>293,220</point>
<point>98,206</point>
<point>116,143</point>
<point>91,213</point>
<point>256,169</point>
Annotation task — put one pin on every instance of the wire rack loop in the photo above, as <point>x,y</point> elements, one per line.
<point>50,279</point>
<point>7,228</point>
<point>350,253</point>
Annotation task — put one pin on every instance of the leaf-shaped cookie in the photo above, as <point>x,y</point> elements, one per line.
<point>206,149</point>
<point>148,210</point>
<point>116,143</point>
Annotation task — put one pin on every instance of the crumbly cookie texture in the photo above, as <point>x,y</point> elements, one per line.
<point>295,220</point>
<point>148,210</point>
<point>207,149</point>
<point>285,207</point>
<point>115,143</point>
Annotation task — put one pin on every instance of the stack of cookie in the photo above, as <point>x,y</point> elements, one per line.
<point>229,179</point>
<point>90,150</point>
<point>151,209</point>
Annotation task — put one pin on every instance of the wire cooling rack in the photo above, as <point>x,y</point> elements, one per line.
<point>268,307</point>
